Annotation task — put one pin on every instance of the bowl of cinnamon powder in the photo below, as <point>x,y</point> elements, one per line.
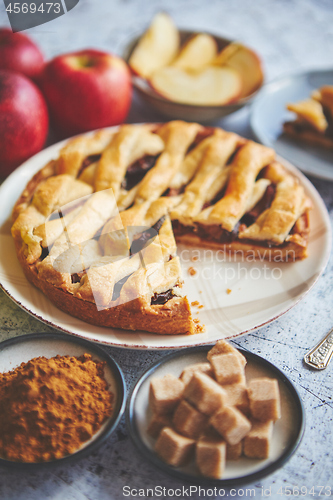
<point>60,398</point>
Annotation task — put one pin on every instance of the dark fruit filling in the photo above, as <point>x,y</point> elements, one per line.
<point>118,286</point>
<point>265,202</point>
<point>329,118</point>
<point>45,253</point>
<point>203,134</point>
<point>76,277</point>
<point>216,232</point>
<point>88,161</point>
<point>162,298</point>
<point>300,127</point>
<point>136,172</point>
<point>144,238</point>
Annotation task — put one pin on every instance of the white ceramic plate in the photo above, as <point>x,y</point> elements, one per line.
<point>269,113</point>
<point>287,431</point>
<point>21,349</point>
<point>260,291</point>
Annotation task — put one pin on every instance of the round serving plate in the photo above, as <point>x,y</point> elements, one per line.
<point>237,296</point>
<point>21,349</point>
<point>287,432</point>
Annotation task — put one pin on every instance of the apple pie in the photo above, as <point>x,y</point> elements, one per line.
<point>96,228</point>
<point>314,119</point>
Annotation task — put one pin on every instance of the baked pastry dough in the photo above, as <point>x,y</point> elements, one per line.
<point>314,119</point>
<point>95,228</point>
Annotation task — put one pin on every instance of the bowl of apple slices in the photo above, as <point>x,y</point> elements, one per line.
<point>192,75</point>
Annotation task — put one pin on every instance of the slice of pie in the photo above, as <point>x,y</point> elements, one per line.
<point>95,228</point>
<point>314,119</point>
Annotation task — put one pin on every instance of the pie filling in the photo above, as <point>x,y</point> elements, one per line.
<point>329,118</point>
<point>162,298</point>
<point>220,235</point>
<point>88,161</point>
<point>136,172</point>
<point>300,128</point>
<point>215,232</point>
<point>144,238</point>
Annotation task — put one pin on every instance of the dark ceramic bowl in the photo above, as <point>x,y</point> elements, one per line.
<point>21,349</point>
<point>287,434</point>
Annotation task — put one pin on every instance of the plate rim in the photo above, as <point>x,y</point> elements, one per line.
<point>264,93</point>
<point>174,471</point>
<point>111,425</point>
<point>29,166</point>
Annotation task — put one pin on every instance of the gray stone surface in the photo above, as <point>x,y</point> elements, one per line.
<point>291,35</point>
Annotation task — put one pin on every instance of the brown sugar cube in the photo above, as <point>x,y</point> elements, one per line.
<point>231,424</point>
<point>165,393</point>
<point>228,368</point>
<point>264,397</point>
<point>205,394</point>
<point>211,433</point>
<point>223,347</point>
<point>210,457</point>
<point>234,451</point>
<point>237,396</point>
<point>157,422</point>
<point>242,379</point>
<point>173,448</point>
<point>188,421</point>
<point>257,442</point>
<point>187,373</point>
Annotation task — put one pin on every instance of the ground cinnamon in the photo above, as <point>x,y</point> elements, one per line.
<point>49,407</point>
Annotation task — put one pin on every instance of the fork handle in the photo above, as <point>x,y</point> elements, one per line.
<point>320,355</point>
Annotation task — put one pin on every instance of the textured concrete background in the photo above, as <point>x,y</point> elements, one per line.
<point>291,35</point>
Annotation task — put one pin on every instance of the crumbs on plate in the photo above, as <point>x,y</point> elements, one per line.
<point>191,271</point>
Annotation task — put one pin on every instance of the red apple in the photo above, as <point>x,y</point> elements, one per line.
<point>23,120</point>
<point>86,90</point>
<point>19,53</point>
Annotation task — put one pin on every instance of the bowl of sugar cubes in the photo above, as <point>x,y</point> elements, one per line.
<point>215,414</point>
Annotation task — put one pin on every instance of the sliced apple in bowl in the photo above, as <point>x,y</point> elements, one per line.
<point>199,51</point>
<point>246,62</point>
<point>157,48</point>
<point>213,86</point>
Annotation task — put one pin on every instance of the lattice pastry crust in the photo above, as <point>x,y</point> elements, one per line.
<point>314,119</point>
<point>94,229</point>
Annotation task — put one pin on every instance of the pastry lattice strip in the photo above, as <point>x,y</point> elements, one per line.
<point>201,172</point>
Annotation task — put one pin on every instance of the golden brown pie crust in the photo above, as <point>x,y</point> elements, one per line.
<point>313,124</point>
<point>199,177</point>
<point>310,137</point>
<point>170,318</point>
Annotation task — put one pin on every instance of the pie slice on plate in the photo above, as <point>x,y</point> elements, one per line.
<point>96,228</point>
<point>314,119</point>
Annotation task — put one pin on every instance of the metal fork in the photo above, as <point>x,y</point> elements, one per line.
<point>320,355</point>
